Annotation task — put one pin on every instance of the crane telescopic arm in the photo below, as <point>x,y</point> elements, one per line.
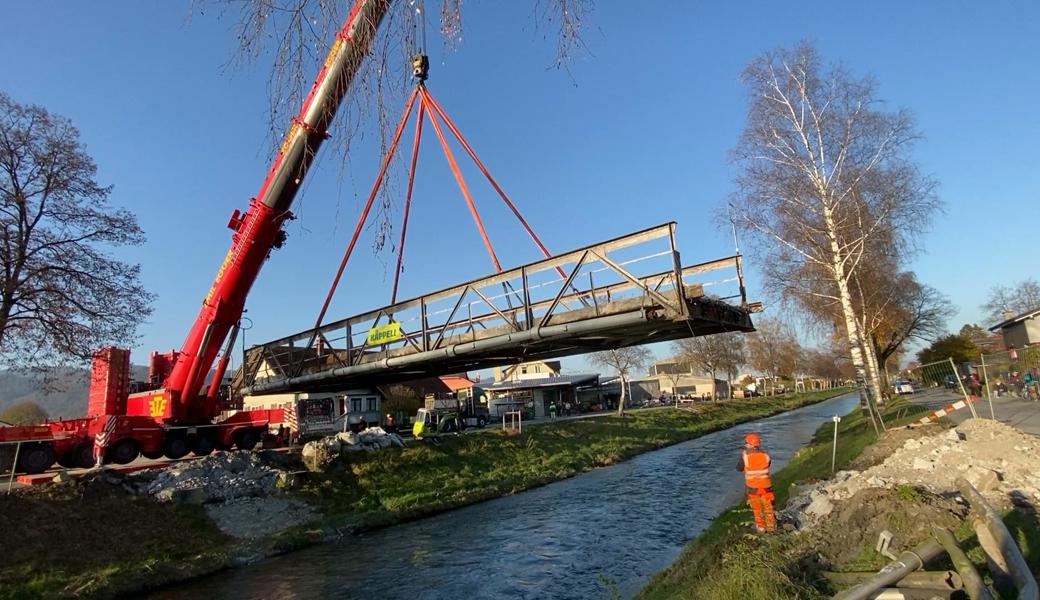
<point>260,228</point>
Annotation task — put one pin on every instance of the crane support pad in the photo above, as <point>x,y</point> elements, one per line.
<point>627,291</point>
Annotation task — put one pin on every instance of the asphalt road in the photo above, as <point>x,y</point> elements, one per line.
<point>1018,412</point>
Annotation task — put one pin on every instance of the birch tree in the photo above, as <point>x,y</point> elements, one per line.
<point>624,362</point>
<point>825,172</point>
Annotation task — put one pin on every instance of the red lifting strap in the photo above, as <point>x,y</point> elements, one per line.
<point>429,107</point>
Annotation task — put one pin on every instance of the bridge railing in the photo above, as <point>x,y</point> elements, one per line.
<point>632,272</point>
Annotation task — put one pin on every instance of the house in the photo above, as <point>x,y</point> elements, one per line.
<point>1020,331</point>
<point>537,369</point>
<point>680,378</point>
<point>534,394</point>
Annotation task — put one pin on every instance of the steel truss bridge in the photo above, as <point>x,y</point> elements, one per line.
<point>627,291</point>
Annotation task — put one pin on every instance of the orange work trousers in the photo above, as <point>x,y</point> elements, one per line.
<point>761,502</point>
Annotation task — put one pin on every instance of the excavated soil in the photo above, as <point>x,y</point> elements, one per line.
<point>852,529</point>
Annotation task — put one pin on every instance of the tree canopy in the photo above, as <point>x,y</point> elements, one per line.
<point>63,294</point>
<point>955,346</point>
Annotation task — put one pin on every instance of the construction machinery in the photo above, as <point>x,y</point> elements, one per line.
<point>180,413</point>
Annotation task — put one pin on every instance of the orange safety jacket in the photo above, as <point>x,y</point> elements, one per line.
<point>755,465</point>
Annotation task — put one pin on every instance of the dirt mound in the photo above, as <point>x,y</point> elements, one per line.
<point>998,459</point>
<point>856,523</point>
<point>890,442</point>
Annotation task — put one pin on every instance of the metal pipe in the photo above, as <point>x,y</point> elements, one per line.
<point>973,584</point>
<point>908,562</point>
<point>918,579</point>
<point>1003,583</point>
<point>1019,569</point>
<point>14,467</point>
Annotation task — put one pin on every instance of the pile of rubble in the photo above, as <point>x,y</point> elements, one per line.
<point>215,478</point>
<point>999,460</point>
<point>321,452</point>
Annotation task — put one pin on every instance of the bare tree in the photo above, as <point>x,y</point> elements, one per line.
<point>624,361</point>
<point>1006,301</point>
<point>62,293</point>
<point>713,354</point>
<point>825,173</point>
<point>773,349</point>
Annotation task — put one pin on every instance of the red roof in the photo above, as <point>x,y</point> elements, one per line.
<point>455,383</point>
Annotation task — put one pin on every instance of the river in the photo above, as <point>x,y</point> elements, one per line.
<point>605,531</point>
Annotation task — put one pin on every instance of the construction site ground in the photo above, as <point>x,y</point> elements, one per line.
<point>902,482</point>
<point>113,533</point>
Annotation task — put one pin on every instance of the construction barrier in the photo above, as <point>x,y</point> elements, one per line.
<point>938,385</point>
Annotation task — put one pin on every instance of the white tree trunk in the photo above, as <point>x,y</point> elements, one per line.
<point>621,402</point>
<point>869,390</point>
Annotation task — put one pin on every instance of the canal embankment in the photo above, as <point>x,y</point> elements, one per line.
<point>93,538</point>
<point>903,482</point>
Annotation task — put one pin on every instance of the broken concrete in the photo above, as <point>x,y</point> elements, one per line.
<point>214,478</point>
<point>999,460</point>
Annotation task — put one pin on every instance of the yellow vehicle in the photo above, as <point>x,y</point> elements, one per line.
<point>431,424</point>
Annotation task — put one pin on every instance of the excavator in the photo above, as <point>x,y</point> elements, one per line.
<point>178,413</point>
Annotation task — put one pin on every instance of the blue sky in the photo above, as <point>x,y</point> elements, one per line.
<point>637,133</point>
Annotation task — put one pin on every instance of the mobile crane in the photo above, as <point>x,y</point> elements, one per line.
<point>176,417</point>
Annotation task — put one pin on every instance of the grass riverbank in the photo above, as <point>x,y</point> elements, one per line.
<point>726,563</point>
<point>95,540</point>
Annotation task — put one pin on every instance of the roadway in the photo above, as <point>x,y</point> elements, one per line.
<point>1018,412</point>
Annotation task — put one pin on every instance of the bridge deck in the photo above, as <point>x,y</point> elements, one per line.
<point>623,292</point>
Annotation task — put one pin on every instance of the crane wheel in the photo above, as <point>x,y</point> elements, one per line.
<point>123,452</point>
<point>35,458</point>
<point>175,446</point>
<point>155,454</point>
<point>204,445</point>
<point>80,457</point>
<point>247,439</point>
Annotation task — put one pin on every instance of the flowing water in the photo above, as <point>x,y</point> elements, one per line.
<point>600,533</point>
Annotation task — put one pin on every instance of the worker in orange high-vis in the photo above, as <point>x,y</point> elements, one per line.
<point>754,462</point>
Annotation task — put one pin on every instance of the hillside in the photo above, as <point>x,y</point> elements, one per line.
<point>61,391</point>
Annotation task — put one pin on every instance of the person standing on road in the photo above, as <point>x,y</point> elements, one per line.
<point>754,463</point>
<point>552,410</point>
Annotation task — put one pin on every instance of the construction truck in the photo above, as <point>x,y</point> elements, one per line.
<point>468,404</point>
<point>451,412</point>
<point>180,413</point>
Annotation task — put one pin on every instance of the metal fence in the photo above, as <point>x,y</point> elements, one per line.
<point>9,454</point>
<point>1011,373</point>
<point>938,386</point>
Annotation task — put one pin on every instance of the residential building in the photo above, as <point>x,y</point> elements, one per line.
<point>533,395</point>
<point>529,370</point>
<point>1020,331</point>
<point>674,377</point>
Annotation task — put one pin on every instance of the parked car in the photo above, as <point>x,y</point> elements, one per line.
<point>903,387</point>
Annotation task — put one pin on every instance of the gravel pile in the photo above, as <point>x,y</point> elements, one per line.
<point>1001,461</point>
<point>214,478</point>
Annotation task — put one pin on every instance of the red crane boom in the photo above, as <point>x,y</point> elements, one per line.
<point>260,229</point>
<point>175,418</point>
